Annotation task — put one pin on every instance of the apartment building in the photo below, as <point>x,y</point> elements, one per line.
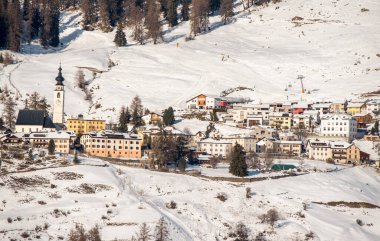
<point>280,120</point>
<point>339,126</point>
<point>215,147</point>
<point>62,140</point>
<point>80,125</point>
<point>110,144</point>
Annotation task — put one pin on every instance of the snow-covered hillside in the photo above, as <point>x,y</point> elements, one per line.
<point>119,199</point>
<point>334,47</point>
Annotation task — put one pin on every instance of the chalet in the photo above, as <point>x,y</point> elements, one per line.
<point>363,120</point>
<point>11,139</point>
<point>152,118</point>
<point>34,121</point>
<point>206,102</point>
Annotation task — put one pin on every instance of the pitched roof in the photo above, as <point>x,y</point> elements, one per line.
<point>34,118</point>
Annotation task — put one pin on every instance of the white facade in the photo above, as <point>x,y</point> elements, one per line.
<point>32,128</point>
<point>373,105</point>
<point>215,147</point>
<point>59,102</point>
<point>339,126</point>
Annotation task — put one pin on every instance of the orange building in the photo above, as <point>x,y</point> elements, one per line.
<point>110,144</point>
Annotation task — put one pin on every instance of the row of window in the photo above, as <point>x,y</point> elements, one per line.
<point>109,147</point>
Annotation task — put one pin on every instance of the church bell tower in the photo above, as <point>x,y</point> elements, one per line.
<point>59,99</point>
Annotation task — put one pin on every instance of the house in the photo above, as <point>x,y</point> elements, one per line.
<point>33,121</point>
<point>112,144</point>
<point>339,151</point>
<point>375,138</point>
<point>339,126</point>
<point>254,120</point>
<point>338,107</point>
<point>41,140</point>
<point>288,147</point>
<point>265,145</point>
<point>368,150</point>
<point>214,147</point>
<point>287,136</point>
<point>363,119</point>
<point>280,120</point>
<point>260,132</point>
<point>246,141</point>
<point>80,125</point>
<point>203,102</point>
<point>299,108</point>
<point>354,108</point>
<point>373,106</point>
<point>152,118</point>
<point>11,139</point>
<point>322,108</point>
<point>319,150</point>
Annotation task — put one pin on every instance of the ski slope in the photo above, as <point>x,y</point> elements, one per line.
<point>133,196</point>
<point>334,47</point>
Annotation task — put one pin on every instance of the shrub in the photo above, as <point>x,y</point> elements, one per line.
<point>241,232</point>
<point>270,217</point>
<point>25,235</point>
<point>171,205</point>
<point>248,192</point>
<point>330,161</point>
<point>360,222</point>
<point>222,196</point>
<point>9,220</point>
<point>310,235</point>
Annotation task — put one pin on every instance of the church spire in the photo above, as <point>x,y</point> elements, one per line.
<point>59,78</point>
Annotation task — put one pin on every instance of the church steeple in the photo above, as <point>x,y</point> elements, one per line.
<point>59,78</point>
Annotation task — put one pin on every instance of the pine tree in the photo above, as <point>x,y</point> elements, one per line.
<point>185,10</point>
<point>214,5</point>
<point>120,38</point>
<point>161,230</point>
<point>51,147</point>
<point>168,117</point>
<point>35,22</point>
<point>144,233</point>
<point>54,14</point>
<point>14,31</point>
<point>33,101</point>
<point>9,112</point>
<point>3,25</point>
<point>123,122</point>
<point>25,10</point>
<point>172,13</point>
<point>137,110</point>
<point>238,165</point>
<point>226,10</point>
<point>112,12</point>
<point>89,13</point>
<point>1,58</point>
<point>76,159</point>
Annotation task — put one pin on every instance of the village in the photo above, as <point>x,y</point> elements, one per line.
<point>343,133</point>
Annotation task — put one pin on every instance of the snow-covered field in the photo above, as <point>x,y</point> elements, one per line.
<point>334,49</point>
<point>119,199</point>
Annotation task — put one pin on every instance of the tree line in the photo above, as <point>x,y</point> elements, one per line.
<point>29,20</point>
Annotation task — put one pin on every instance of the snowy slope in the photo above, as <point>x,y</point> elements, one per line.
<point>137,195</point>
<point>334,49</point>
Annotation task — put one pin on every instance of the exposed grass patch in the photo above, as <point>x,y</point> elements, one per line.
<point>349,204</point>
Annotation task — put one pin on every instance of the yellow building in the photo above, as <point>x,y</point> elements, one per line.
<point>355,108</point>
<point>280,120</point>
<point>80,125</point>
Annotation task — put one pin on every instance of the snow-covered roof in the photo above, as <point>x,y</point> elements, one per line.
<point>214,141</point>
<point>355,105</point>
<point>339,144</point>
<point>113,135</point>
<point>368,147</point>
<point>50,135</point>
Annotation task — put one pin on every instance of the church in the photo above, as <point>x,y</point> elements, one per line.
<point>38,120</point>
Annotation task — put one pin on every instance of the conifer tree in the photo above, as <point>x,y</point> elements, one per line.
<point>9,112</point>
<point>54,14</point>
<point>51,147</point>
<point>226,10</point>
<point>3,25</point>
<point>214,5</point>
<point>14,30</point>
<point>34,22</point>
<point>120,38</point>
<point>172,13</point>
<point>137,110</point>
<point>185,11</point>
<point>152,21</point>
<point>123,120</point>
<point>168,117</point>
<point>238,165</point>
<point>25,10</point>
<point>89,12</point>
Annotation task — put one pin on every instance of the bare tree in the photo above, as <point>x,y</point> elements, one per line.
<point>135,21</point>
<point>144,233</point>
<point>161,231</point>
<point>152,21</point>
<point>79,79</point>
<point>199,16</point>
<point>226,10</point>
